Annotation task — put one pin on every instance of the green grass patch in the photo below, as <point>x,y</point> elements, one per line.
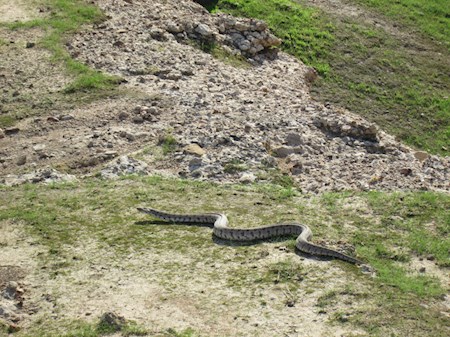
<point>388,230</point>
<point>430,17</point>
<point>382,77</point>
<point>168,144</point>
<point>67,17</point>
<point>296,25</point>
<point>234,166</point>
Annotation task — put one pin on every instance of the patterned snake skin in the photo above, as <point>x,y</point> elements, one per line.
<point>221,230</point>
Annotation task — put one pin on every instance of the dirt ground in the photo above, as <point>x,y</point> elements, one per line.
<point>161,289</point>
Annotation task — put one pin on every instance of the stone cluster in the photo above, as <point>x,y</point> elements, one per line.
<point>238,35</point>
<point>226,123</point>
<point>43,175</point>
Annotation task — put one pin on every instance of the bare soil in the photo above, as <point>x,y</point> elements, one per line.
<point>159,289</point>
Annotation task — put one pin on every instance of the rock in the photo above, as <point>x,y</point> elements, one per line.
<point>421,155</point>
<point>122,116</point>
<point>124,165</point>
<point>21,160</point>
<point>194,149</point>
<point>282,151</point>
<point>66,117</point>
<point>247,178</point>
<point>195,164</point>
<point>11,131</point>
<point>173,27</point>
<point>293,139</point>
<point>39,147</point>
<point>127,135</point>
<point>405,171</point>
<point>138,120</point>
<point>52,119</point>
<point>30,45</point>
<point>12,291</point>
<point>2,133</point>
<point>111,321</point>
<point>43,175</point>
<point>204,30</point>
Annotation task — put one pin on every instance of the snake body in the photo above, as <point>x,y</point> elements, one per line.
<point>222,231</point>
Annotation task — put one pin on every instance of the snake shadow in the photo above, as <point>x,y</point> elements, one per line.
<point>234,243</point>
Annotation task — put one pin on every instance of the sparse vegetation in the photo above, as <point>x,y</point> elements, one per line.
<point>67,17</point>
<point>60,215</point>
<point>168,143</point>
<point>390,231</point>
<point>383,77</point>
<point>234,166</point>
<point>432,18</point>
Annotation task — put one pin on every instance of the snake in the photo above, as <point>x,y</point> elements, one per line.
<point>222,231</point>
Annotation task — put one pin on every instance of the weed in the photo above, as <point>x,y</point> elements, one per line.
<point>185,333</point>
<point>168,143</point>
<point>234,166</point>
<point>327,298</point>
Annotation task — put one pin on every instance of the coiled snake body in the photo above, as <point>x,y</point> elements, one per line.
<point>222,231</point>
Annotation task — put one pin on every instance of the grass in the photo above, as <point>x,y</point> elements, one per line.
<point>168,144</point>
<point>84,329</point>
<point>383,77</point>
<point>389,231</point>
<point>67,17</point>
<point>431,18</point>
<point>234,166</point>
<point>295,25</point>
<point>85,86</point>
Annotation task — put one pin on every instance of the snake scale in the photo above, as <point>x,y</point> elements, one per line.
<point>222,231</point>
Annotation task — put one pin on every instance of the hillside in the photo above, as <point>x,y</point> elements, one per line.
<point>111,105</point>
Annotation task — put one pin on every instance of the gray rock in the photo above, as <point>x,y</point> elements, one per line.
<point>11,131</point>
<point>282,151</point>
<point>21,160</point>
<point>247,178</point>
<point>44,175</point>
<point>293,139</point>
<point>124,165</point>
<point>204,30</point>
<point>138,119</point>
<point>66,117</point>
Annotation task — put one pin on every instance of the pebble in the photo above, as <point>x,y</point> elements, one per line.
<point>247,178</point>
<point>194,149</point>
<point>21,160</point>
<point>252,114</point>
<point>11,131</point>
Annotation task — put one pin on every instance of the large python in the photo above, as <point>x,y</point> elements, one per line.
<point>222,231</point>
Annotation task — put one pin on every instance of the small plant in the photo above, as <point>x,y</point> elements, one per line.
<point>168,143</point>
<point>185,333</point>
<point>234,166</point>
<point>327,298</point>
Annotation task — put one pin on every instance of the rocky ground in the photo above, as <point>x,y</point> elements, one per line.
<point>182,112</point>
<point>229,123</point>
